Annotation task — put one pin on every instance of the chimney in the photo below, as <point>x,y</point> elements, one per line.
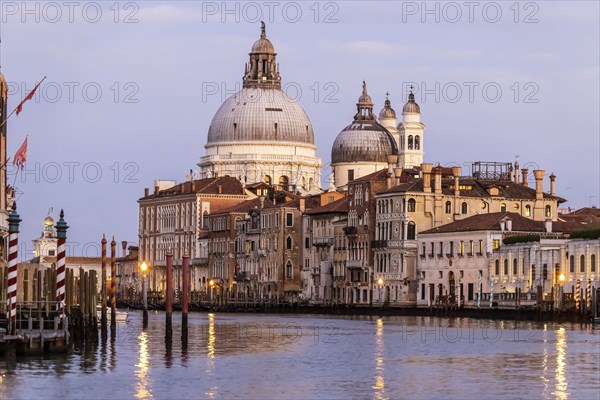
<point>438,180</point>
<point>548,225</point>
<point>262,201</point>
<point>552,185</point>
<point>193,186</point>
<point>216,175</point>
<point>398,174</point>
<point>156,190</point>
<point>220,189</point>
<point>525,171</point>
<point>456,174</point>
<point>539,183</point>
<point>516,171</point>
<point>426,169</point>
<point>509,224</point>
<point>502,225</point>
<point>302,205</point>
<point>124,247</point>
<point>146,192</point>
<point>392,162</point>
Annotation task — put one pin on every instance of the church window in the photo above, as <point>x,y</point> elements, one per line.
<point>412,205</point>
<point>503,207</point>
<point>411,231</point>
<point>464,209</point>
<point>283,182</point>
<point>448,207</point>
<point>417,142</point>
<point>548,211</point>
<point>410,142</point>
<point>528,211</point>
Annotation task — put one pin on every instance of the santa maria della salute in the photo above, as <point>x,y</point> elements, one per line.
<point>260,134</point>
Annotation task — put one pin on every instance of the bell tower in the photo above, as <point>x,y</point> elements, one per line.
<point>411,132</point>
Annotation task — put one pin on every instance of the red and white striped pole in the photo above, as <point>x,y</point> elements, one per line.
<point>61,233</point>
<point>588,295</point>
<point>13,252</point>
<point>577,294</point>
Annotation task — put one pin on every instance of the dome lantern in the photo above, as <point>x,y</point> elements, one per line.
<point>262,71</point>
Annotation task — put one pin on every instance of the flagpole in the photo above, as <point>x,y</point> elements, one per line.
<point>21,103</point>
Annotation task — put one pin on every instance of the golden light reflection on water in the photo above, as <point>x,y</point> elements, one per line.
<point>544,376</point>
<point>561,364</point>
<point>143,366</point>
<point>379,385</point>
<point>210,353</point>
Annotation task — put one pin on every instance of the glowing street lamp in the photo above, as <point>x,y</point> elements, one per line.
<point>380,283</point>
<point>561,277</point>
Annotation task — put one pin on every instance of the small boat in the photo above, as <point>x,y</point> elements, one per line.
<point>121,315</point>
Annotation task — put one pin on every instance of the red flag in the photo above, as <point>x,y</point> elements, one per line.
<point>28,97</point>
<point>21,155</point>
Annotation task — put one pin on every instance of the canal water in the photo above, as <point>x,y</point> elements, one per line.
<point>255,356</point>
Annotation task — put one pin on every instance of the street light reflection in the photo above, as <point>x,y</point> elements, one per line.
<point>561,352</point>
<point>379,367</point>
<point>210,359</point>
<point>143,366</point>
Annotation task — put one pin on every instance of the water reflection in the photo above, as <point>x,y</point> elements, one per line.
<point>379,370</point>
<point>544,376</point>
<point>143,366</point>
<point>210,352</point>
<point>561,352</point>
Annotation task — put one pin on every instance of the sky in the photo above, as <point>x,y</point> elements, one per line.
<point>131,88</point>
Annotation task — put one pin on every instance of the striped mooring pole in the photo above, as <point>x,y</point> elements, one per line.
<point>13,252</point>
<point>113,286</point>
<point>479,287</point>
<point>61,233</point>
<point>588,295</point>
<point>492,292</point>
<point>577,294</point>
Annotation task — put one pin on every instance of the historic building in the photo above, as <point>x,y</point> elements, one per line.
<point>262,134</point>
<point>362,147</point>
<point>173,217</point>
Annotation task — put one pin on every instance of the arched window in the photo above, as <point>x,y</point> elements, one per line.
<point>548,212</point>
<point>593,263</point>
<point>288,270</point>
<point>283,182</point>
<point>572,264</point>
<point>515,266</point>
<point>410,142</point>
<point>268,180</point>
<point>502,207</point>
<point>412,205</point>
<point>528,210</point>
<point>464,208</point>
<point>411,233</point>
<point>288,243</point>
<point>582,263</point>
<point>417,142</point>
<point>505,267</point>
<point>497,267</point>
<point>448,207</point>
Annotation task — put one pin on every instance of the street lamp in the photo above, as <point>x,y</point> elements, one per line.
<point>144,268</point>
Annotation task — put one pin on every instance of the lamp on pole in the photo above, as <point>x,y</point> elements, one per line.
<point>144,268</point>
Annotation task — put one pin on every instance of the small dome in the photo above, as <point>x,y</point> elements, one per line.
<point>263,45</point>
<point>48,221</point>
<point>387,112</point>
<point>411,107</point>
<point>365,99</point>
<point>363,141</point>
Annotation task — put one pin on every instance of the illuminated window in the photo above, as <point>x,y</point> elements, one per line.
<point>503,207</point>
<point>528,211</point>
<point>548,212</point>
<point>412,205</point>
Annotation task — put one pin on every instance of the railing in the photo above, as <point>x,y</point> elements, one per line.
<point>354,263</point>
<point>323,241</point>
<point>379,244</point>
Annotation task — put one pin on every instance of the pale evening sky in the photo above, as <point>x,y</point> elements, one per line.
<point>130,90</point>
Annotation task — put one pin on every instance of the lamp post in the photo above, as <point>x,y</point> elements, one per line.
<point>380,283</point>
<point>144,268</point>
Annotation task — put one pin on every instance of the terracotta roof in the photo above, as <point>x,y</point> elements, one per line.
<point>222,185</point>
<point>491,222</point>
<point>339,206</point>
<point>380,175</point>
<point>243,207</point>
<point>75,260</point>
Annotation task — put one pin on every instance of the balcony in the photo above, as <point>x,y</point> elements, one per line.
<point>242,276</point>
<point>316,271</point>
<point>323,241</point>
<point>350,230</point>
<point>354,264</point>
<point>379,244</point>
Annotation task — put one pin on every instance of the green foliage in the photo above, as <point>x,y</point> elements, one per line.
<point>521,239</point>
<point>586,234</point>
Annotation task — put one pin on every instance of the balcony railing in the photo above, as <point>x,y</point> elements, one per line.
<point>379,244</point>
<point>323,241</point>
<point>354,263</point>
<point>350,230</point>
<point>242,276</point>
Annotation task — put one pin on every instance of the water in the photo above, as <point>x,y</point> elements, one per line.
<point>320,357</point>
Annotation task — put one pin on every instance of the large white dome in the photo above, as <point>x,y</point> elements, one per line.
<point>260,114</point>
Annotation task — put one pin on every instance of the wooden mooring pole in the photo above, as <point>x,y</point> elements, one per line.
<point>169,297</point>
<point>185,301</point>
